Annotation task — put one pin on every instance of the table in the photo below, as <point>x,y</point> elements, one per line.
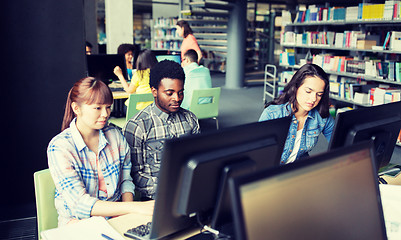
<point>119,97</point>
<point>125,222</point>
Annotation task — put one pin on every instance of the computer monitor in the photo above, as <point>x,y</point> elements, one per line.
<point>381,123</point>
<point>178,152</point>
<point>175,58</point>
<point>102,66</point>
<point>331,196</point>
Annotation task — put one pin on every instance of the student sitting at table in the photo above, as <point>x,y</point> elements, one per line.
<point>140,79</point>
<point>90,162</point>
<point>306,99</point>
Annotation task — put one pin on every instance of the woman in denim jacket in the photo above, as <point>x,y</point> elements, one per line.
<point>306,99</point>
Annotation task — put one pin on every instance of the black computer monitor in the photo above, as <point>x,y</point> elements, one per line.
<point>101,66</point>
<point>380,123</point>
<point>178,152</point>
<point>331,196</point>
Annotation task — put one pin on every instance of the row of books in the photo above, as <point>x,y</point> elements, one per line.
<point>364,11</point>
<point>165,22</point>
<point>388,70</point>
<point>362,92</point>
<point>167,45</point>
<point>346,39</point>
<point>167,34</point>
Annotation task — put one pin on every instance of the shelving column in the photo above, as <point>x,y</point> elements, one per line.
<point>236,37</point>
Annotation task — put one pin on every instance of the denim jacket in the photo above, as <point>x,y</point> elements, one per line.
<point>314,125</point>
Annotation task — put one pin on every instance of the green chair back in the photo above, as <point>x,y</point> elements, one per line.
<point>44,193</point>
<point>133,100</point>
<point>203,108</point>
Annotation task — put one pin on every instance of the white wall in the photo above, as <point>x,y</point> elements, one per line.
<point>165,10</point>
<point>119,23</point>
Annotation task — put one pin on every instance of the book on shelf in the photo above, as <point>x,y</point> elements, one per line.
<point>287,57</point>
<point>395,41</point>
<point>372,11</point>
<point>386,41</point>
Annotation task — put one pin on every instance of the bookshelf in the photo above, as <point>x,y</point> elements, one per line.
<point>355,45</point>
<point>164,35</point>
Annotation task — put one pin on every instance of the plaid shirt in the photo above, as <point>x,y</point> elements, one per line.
<point>146,133</point>
<point>75,173</point>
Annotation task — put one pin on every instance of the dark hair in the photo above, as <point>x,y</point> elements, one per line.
<point>192,55</point>
<point>165,69</point>
<point>187,29</point>
<point>290,90</point>
<point>146,59</point>
<point>88,44</point>
<point>89,91</point>
<point>124,48</point>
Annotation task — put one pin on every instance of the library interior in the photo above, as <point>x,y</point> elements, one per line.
<point>299,118</point>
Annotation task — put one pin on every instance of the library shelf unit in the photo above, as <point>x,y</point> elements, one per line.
<point>164,35</point>
<point>378,27</point>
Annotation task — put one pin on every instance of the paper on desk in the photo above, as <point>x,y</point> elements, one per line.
<point>87,229</point>
<point>391,201</point>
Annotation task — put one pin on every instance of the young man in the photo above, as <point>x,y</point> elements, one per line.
<point>164,119</point>
<point>196,77</point>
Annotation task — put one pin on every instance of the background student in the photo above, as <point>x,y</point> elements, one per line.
<point>89,161</point>
<point>196,77</point>
<point>306,99</point>
<point>140,79</point>
<point>163,119</point>
<point>130,54</point>
<point>189,42</point>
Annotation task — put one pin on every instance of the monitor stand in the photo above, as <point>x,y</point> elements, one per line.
<point>222,216</point>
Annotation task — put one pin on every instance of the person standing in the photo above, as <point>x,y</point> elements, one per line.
<point>184,30</point>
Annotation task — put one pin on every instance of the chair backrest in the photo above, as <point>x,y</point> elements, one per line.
<point>205,102</point>
<point>44,193</point>
<point>133,100</point>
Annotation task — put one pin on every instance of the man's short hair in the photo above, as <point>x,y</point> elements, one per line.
<point>192,55</point>
<point>165,69</point>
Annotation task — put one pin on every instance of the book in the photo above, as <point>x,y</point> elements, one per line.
<point>87,229</point>
<point>386,41</point>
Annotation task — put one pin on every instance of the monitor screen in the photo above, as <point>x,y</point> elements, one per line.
<point>175,58</point>
<point>101,66</point>
<point>177,152</point>
<point>331,196</point>
<point>380,123</point>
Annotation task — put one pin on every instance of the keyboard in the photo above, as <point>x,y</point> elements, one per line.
<point>140,232</point>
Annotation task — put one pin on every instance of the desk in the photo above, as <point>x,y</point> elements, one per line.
<point>392,180</point>
<point>125,222</point>
<point>119,97</point>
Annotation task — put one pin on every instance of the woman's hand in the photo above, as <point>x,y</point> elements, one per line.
<point>118,72</point>
<point>145,208</point>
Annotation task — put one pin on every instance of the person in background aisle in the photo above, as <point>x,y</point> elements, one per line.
<point>88,48</point>
<point>306,99</point>
<point>140,79</point>
<point>164,119</point>
<point>189,42</point>
<point>196,77</point>
<point>90,162</point>
<point>129,51</point>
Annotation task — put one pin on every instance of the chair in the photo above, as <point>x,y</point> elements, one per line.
<point>44,193</point>
<point>206,109</point>
<point>131,109</point>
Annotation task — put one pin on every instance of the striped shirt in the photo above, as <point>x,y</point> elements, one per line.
<point>146,133</point>
<point>74,170</point>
